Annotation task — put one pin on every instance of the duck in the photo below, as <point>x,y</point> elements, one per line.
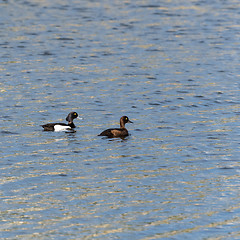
<point>117,132</point>
<point>62,126</point>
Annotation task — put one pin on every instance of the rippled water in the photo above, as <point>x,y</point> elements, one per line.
<point>172,67</point>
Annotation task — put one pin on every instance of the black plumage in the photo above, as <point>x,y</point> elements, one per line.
<point>62,126</point>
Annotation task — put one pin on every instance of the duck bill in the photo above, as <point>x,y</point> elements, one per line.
<point>130,121</point>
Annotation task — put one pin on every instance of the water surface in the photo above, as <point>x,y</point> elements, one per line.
<point>172,67</point>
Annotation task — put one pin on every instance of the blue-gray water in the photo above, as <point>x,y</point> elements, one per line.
<point>172,67</point>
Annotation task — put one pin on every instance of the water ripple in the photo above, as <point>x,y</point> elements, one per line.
<point>176,176</point>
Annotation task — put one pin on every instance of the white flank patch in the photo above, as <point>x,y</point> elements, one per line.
<point>58,128</point>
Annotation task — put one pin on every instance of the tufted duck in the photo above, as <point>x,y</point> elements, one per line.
<point>117,132</point>
<point>62,126</point>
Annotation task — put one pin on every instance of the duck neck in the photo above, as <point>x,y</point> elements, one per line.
<point>71,124</point>
<point>122,124</point>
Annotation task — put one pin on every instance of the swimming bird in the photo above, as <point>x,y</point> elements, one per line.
<point>117,132</point>
<point>62,126</point>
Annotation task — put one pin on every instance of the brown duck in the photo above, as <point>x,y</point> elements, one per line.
<point>117,132</point>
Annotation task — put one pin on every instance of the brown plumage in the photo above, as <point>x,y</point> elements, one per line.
<point>117,132</point>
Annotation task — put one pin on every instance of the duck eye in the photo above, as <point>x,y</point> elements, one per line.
<point>126,118</point>
<point>75,113</point>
